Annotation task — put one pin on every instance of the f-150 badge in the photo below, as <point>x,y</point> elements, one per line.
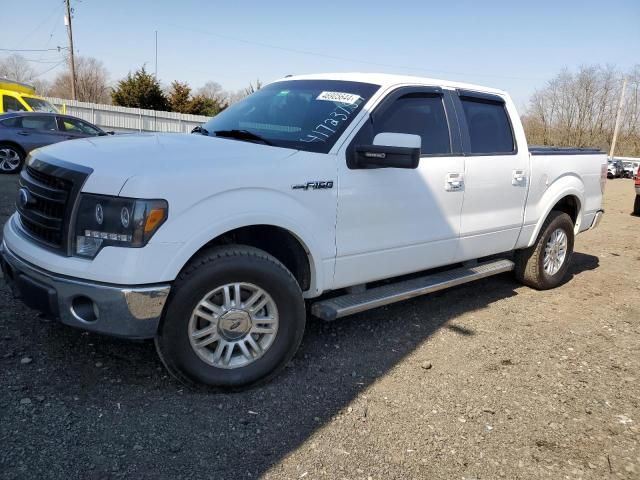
<point>317,185</point>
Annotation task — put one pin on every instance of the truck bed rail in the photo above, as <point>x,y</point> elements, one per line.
<point>547,150</point>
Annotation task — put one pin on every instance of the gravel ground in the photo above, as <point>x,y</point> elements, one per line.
<point>487,380</point>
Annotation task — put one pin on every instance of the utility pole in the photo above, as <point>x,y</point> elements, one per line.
<point>67,21</point>
<point>618,115</point>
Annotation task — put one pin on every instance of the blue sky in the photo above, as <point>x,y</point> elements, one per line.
<point>514,45</point>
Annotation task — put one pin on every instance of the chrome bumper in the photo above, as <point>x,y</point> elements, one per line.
<point>596,219</point>
<point>117,310</point>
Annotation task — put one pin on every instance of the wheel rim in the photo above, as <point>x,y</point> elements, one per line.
<point>9,159</point>
<point>555,251</point>
<point>233,325</point>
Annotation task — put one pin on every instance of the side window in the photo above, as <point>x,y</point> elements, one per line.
<point>39,122</point>
<point>13,122</point>
<point>11,104</point>
<point>73,125</point>
<point>418,114</point>
<point>489,127</point>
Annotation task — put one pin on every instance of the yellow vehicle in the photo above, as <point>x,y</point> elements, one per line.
<point>20,97</point>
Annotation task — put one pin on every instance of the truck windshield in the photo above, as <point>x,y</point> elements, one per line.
<point>301,114</point>
<point>39,105</point>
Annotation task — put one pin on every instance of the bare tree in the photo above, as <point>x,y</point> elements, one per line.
<point>15,67</point>
<point>253,88</point>
<point>41,85</point>
<point>213,91</point>
<point>578,109</point>
<point>92,82</point>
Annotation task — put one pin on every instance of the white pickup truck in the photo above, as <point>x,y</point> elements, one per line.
<point>327,190</point>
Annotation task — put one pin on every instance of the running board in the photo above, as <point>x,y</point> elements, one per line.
<point>349,304</point>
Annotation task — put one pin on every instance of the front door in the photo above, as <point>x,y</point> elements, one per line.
<point>396,221</point>
<point>76,128</point>
<point>496,177</point>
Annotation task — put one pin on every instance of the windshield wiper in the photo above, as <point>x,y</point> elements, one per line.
<point>242,135</point>
<point>200,130</point>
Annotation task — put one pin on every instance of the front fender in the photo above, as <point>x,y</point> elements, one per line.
<point>541,201</point>
<point>228,210</point>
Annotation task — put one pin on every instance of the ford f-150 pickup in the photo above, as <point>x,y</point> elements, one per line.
<point>339,193</point>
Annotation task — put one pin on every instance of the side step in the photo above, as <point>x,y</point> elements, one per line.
<point>349,304</point>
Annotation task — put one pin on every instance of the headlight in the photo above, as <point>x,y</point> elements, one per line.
<point>114,221</point>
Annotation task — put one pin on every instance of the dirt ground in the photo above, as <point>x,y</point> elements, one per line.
<point>488,380</point>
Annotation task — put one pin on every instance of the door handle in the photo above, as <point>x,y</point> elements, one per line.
<point>454,182</point>
<point>24,134</point>
<point>519,177</point>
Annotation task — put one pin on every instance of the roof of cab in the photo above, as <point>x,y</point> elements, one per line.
<point>389,80</point>
<point>16,87</point>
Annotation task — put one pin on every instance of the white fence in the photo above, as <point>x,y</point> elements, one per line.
<point>110,117</point>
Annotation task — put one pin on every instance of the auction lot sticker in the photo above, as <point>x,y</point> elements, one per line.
<point>341,97</point>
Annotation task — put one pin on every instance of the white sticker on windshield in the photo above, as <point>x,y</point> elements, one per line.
<point>341,97</point>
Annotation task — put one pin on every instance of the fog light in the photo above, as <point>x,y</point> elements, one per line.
<point>83,308</point>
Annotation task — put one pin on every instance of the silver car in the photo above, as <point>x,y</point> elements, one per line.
<point>21,132</point>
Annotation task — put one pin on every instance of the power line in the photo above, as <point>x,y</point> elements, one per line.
<point>55,10</point>
<point>346,59</point>
<point>49,69</point>
<point>49,38</point>
<point>33,60</point>
<point>33,49</point>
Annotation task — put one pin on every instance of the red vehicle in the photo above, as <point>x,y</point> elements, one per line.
<point>636,204</point>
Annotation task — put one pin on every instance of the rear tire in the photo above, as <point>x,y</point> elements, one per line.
<point>636,206</point>
<point>253,309</point>
<point>11,158</point>
<point>544,265</point>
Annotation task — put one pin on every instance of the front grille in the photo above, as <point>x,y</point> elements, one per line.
<point>49,180</point>
<point>47,235</point>
<point>45,201</point>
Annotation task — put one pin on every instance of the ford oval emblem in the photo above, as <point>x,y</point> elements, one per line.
<point>24,198</point>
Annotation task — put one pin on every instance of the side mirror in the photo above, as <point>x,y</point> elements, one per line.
<point>389,150</point>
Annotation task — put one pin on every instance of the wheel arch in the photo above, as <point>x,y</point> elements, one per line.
<point>278,240</point>
<point>566,194</point>
<point>14,145</point>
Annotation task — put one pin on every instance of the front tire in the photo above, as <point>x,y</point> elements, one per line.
<point>235,318</point>
<point>545,264</point>
<point>11,158</point>
<point>636,206</point>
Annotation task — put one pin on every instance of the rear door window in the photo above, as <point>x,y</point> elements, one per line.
<point>39,122</point>
<point>12,104</point>
<point>488,125</point>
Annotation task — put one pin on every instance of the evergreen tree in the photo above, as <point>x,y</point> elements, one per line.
<point>179,97</point>
<point>140,90</point>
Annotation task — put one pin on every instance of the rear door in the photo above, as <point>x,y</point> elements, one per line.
<point>394,221</point>
<point>39,130</point>
<point>496,176</point>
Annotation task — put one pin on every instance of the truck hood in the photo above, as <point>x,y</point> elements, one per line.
<point>115,159</point>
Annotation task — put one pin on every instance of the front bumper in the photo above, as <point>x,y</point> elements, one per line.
<point>117,310</point>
